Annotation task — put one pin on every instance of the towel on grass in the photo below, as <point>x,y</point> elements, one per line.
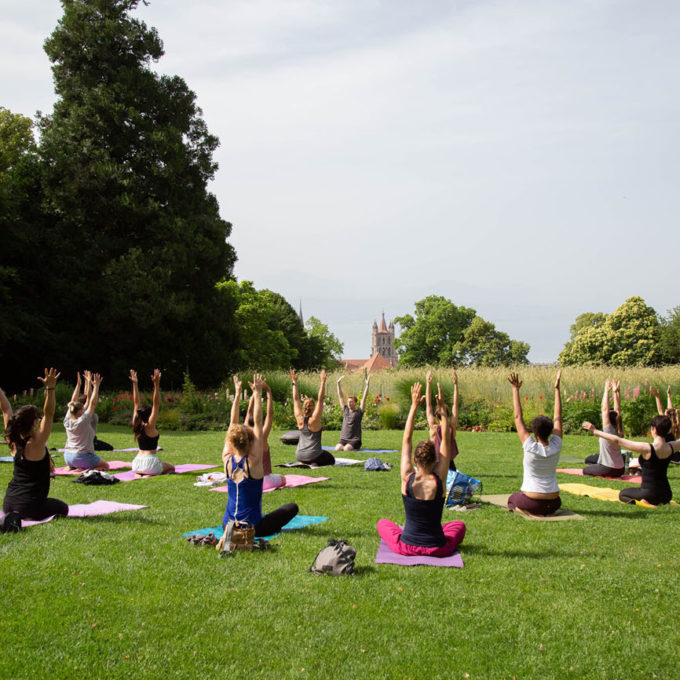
<point>631,479</point>
<point>387,556</point>
<point>501,501</point>
<point>88,510</point>
<point>179,469</point>
<point>289,481</point>
<point>113,465</point>
<point>298,522</point>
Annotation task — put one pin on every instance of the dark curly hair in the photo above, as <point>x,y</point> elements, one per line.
<point>425,454</point>
<point>20,425</point>
<point>542,427</point>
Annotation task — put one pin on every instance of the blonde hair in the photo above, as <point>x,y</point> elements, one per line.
<point>240,437</point>
<point>308,407</point>
<point>75,406</point>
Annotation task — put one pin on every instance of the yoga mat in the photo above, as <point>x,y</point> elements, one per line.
<point>501,501</point>
<point>601,494</point>
<point>113,465</point>
<point>6,459</point>
<point>179,469</point>
<point>386,556</point>
<point>631,479</point>
<point>338,462</point>
<point>298,522</point>
<point>290,481</point>
<point>362,450</point>
<point>88,510</point>
<point>134,448</point>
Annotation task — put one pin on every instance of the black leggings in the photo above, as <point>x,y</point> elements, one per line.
<point>326,458</point>
<point>598,470</point>
<point>36,509</point>
<point>272,523</point>
<point>649,495</point>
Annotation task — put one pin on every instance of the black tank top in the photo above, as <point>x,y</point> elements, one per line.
<point>147,443</point>
<point>31,479</point>
<point>423,518</point>
<point>655,474</point>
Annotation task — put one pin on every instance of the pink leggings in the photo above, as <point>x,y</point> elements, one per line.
<point>390,533</point>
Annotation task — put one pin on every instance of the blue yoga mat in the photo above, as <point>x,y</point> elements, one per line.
<point>6,459</point>
<point>298,522</point>
<point>332,448</point>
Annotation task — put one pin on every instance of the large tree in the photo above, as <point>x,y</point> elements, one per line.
<point>442,333</point>
<point>137,238</point>
<point>670,337</point>
<point>629,336</point>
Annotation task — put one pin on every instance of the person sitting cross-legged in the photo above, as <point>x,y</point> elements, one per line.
<point>540,493</point>
<point>422,491</point>
<point>609,462</point>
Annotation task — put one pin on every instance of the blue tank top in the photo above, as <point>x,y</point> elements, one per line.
<point>423,518</point>
<point>244,503</point>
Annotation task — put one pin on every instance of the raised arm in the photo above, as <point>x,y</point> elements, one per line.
<point>297,409</point>
<point>557,413</point>
<point>657,397</point>
<point>429,414</point>
<point>341,396</point>
<point>91,405</point>
<point>269,417</point>
<point>318,408</point>
<point>367,380</point>
<point>76,390</point>
<point>87,378</point>
<point>135,393</point>
<point>604,406</point>
<point>6,408</point>
<point>406,466</point>
<point>156,402</point>
<point>522,431</point>
<point>234,416</point>
<point>616,386</point>
<point>40,438</point>
<point>668,397</point>
<point>442,464</point>
<point>637,447</point>
<point>456,403</point>
<point>255,453</point>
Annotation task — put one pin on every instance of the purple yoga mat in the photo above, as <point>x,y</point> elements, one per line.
<point>633,479</point>
<point>132,449</point>
<point>386,556</point>
<point>113,465</point>
<point>179,469</point>
<point>290,482</point>
<point>88,510</point>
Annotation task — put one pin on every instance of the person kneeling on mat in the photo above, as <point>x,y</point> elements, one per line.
<point>243,468</point>
<point>540,493</point>
<point>350,434</point>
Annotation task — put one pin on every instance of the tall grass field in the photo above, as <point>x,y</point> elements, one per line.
<point>125,596</point>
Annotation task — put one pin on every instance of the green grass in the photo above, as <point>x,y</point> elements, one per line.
<point>124,596</point>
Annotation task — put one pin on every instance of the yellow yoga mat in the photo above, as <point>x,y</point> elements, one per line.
<point>602,494</point>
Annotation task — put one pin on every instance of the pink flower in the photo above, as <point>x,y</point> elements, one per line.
<point>636,391</point>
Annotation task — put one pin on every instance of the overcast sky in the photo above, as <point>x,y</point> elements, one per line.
<point>521,158</point>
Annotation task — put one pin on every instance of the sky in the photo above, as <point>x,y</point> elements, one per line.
<point>520,158</point>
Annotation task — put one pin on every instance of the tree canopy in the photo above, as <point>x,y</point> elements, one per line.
<point>629,336</point>
<point>442,333</point>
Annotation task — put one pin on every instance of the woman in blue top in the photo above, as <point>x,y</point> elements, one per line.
<point>422,491</point>
<point>243,466</point>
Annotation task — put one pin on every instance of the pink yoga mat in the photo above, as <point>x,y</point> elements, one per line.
<point>386,556</point>
<point>290,482</point>
<point>88,510</point>
<point>113,465</point>
<point>633,479</point>
<point>179,469</point>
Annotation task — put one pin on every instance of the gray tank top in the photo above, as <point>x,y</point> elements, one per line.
<point>309,445</point>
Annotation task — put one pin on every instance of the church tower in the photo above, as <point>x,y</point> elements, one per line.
<point>382,341</point>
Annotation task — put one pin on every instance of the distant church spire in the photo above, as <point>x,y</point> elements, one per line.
<point>302,321</point>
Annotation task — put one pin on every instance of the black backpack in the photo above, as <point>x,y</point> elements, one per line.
<point>336,558</point>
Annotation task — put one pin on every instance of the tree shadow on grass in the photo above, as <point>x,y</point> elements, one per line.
<point>613,513</point>
<point>550,553</point>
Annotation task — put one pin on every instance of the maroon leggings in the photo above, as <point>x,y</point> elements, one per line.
<point>534,505</point>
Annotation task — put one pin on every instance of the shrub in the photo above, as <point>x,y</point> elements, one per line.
<point>389,416</point>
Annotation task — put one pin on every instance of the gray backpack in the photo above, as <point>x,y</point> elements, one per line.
<point>336,558</point>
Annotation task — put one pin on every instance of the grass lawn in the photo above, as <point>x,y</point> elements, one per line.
<point>125,596</point>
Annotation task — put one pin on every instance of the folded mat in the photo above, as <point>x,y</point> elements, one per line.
<point>179,469</point>
<point>289,481</point>
<point>298,522</point>
<point>501,501</point>
<point>88,510</point>
<point>362,450</point>
<point>631,479</point>
<point>386,556</point>
<point>601,494</point>
<point>338,461</point>
<point>113,465</point>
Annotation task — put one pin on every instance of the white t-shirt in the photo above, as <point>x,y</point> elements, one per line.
<point>540,463</point>
<point>79,434</point>
<point>610,452</point>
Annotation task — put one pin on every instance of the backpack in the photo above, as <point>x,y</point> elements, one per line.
<point>10,522</point>
<point>375,464</point>
<point>336,558</point>
<point>236,536</point>
<point>96,478</point>
<point>461,488</point>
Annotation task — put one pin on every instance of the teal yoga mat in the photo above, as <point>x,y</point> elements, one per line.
<point>298,522</point>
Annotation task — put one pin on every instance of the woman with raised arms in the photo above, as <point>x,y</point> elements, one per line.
<point>609,462</point>
<point>350,434</point>
<point>434,417</point>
